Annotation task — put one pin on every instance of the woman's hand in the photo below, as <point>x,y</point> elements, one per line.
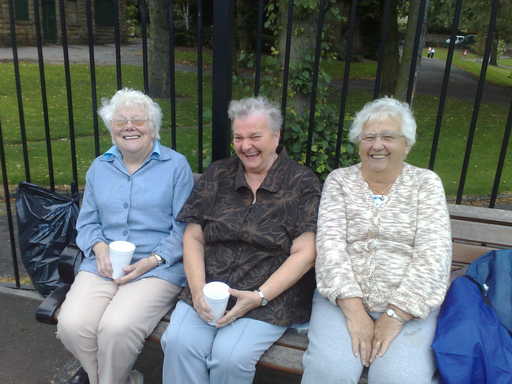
<point>201,306</point>
<point>134,270</point>
<point>245,301</point>
<point>103,263</point>
<point>386,329</point>
<point>360,327</point>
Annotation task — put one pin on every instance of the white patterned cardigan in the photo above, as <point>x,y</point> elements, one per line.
<point>398,253</point>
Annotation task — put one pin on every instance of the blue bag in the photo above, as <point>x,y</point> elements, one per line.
<point>494,272</point>
<point>470,344</point>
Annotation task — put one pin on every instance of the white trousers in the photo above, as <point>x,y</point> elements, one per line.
<point>329,358</point>
<point>104,325</point>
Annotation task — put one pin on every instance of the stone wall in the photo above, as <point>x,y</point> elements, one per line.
<point>25,30</point>
<point>76,23</point>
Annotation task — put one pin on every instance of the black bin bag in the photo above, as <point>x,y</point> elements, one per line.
<point>46,224</point>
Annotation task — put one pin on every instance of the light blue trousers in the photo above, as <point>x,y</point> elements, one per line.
<point>198,353</point>
<point>329,358</point>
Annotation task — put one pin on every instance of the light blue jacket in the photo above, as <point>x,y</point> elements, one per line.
<point>140,208</point>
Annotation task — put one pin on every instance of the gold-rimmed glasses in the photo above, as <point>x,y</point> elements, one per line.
<point>121,123</point>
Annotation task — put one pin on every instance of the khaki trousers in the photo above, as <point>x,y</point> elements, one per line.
<point>104,325</point>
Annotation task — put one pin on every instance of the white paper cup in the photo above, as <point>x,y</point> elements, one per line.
<point>121,253</point>
<point>216,295</point>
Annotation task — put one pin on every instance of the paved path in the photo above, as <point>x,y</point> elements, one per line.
<point>461,85</point>
<point>79,54</point>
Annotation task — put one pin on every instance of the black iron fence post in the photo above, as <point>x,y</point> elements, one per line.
<point>19,96</point>
<point>7,197</point>
<point>222,80</point>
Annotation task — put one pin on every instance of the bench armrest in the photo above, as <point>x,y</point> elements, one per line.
<point>46,311</point>
<point>70,259</point>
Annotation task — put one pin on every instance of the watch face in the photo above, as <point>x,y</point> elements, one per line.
<point>391,313</point>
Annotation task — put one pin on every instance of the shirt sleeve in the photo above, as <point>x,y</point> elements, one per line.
<point>194,209</point>
<point>88,225</point>
<point>334,276</point>
<point>171,247</point>
<point>424,285</point>
<point>308,204</point>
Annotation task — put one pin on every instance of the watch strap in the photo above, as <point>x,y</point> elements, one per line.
<point>159,259</point>
<point>392,313</point>
<point>264,300</point>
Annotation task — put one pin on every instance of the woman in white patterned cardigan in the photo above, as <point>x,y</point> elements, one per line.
<point>383,259</point>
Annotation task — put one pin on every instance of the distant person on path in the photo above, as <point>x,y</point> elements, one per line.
<point>133,192</point>
<point>383,259</point>
<point>429,52</point>
<point>432,52</point>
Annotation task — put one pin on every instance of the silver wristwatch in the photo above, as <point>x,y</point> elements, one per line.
<point>159,259</point>
<point>392,313</point>
<point>264,300</point>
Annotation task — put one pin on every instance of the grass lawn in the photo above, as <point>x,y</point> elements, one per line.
<point>186,117</point>
<point>364,69</point>
<point>473,63</point>
<point>456,123</point>
<point>507,62</point>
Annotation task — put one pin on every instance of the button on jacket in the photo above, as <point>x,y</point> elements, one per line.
<point>246,242</point>
<point>140,208</point>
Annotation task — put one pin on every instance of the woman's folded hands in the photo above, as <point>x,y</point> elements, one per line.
<point>245,301</point>
<point>370,339</point>
<point>134,270</point>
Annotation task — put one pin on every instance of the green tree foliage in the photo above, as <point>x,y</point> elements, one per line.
<point>300,87</point>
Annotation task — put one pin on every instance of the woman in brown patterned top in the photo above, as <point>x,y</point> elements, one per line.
<point>251,224</point>
<point>383,259</point>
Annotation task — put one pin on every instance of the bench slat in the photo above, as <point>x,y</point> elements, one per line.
<point>482,233</point>
<point>481,214</point>
<point>283,359</point>
<point>159,331</point>
<point>466,253</point>
<point>293,339</point>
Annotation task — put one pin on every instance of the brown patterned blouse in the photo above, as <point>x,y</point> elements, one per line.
<point>244,242</point>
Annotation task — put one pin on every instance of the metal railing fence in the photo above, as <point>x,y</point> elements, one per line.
<point>222,87</point>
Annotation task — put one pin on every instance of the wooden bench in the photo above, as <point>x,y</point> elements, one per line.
<point>475,230</point>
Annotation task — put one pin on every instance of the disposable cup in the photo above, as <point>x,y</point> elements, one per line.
<point>216,295</point>
<point>121,253</point>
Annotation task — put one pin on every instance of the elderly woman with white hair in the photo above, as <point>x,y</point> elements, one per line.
<point>133,192</point>
<point>251,224</point>
<point>383,259</point>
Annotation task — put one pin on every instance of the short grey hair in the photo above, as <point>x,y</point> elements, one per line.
<point>127,97</point>
<point>244,107</point>
<point>381,109</point>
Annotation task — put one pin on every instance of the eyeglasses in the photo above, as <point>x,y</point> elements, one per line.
<point>121,123</point>
<point>386,137</point>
